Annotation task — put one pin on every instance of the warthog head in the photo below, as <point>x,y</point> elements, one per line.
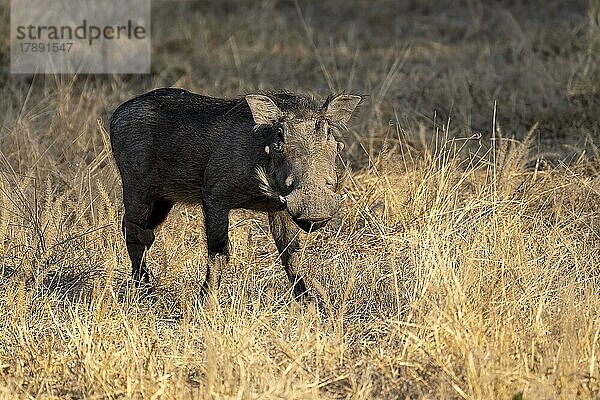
<point>303,157</point>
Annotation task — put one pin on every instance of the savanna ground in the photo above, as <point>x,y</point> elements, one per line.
<point>465,263</point>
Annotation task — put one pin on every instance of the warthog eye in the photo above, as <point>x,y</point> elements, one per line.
<point>280,130</point>
<point>277,146</point>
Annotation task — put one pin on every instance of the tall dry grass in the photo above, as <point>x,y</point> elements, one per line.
<point>465,263</point>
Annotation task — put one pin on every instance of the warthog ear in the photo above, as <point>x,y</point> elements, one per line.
<point>264,110</point>
<point>340,109</point>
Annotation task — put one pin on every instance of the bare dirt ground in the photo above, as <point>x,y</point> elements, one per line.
<point>465,263</point>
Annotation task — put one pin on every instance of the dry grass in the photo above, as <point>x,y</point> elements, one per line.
<point>465,263</point>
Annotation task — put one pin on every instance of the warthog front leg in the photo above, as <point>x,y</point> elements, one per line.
<point>286,235</point>
<point>216,221</point>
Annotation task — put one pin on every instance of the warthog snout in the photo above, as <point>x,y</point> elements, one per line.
<point>312,208</point>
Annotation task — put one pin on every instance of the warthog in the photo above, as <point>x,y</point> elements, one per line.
<point>276,152</point>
